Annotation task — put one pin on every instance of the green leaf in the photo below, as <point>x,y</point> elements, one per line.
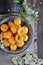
<point>15,1</point>
<point>24,2</point>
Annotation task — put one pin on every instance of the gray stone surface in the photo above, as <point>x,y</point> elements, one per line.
<point>4,59</point>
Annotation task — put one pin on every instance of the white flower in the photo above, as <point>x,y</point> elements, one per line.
<point>32,63</point>
<point>30,59</point>
<point>37,13</point>
<point>29,12</point>
<point>20,61</point>
<point>33,11</point>
<point>41,61</point>
<point>27,62</point>
<point>14,60</point>
<point>29,9</point>
<point>15,63</point>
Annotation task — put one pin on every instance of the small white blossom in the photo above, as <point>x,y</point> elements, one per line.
<point>29,59</point>
<point>37,13</point>
<point>33,11</point>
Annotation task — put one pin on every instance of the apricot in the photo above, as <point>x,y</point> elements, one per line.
<point>12,40</point>
<point>20,44</point>
<point>13,29</point>
<point>25,37</point>
<point>21,31</point>
<point>18,38</point>
<point>26,29</point>
<point>4,27</point>
<point>13,47</point>
<point>7,34</point>
<point>10,24</point>
<point>6,43</point>
<point>2,35</point>
<point>17,21</point>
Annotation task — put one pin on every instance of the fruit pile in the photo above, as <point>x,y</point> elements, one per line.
<point>13,34</point>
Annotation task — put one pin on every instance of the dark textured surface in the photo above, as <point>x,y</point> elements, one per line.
<point>39,6</point>
<point>4,6</point>
<point>40,28</point>
<point>40,31</point>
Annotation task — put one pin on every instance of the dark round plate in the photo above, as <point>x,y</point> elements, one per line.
<point>27,44</point>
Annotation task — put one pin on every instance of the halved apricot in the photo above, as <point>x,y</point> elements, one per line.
<point>6,43</point>
<point>25,37</point>
<point>2,35</point>
<point>18,38</point>
<point>21,31</point>
<point>7,34</point>
<point>13,47</point>
<point>17,21</point>
<point>26,29</point>
<point>12,40</point>
<point>13,29</point>
<point>4,27</point>
<point>10,24</point>
<point>20,44</point>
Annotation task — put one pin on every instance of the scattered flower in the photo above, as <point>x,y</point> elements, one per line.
<point>28,59</point>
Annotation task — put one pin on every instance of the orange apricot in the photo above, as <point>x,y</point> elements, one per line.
<point>6,43</point>
<point>4,27</point>
<point>13,47</point>
<point>10,24</point>
<point>20,44</point>
<point>12,40</point>
<point>7,34</point>
<point>17,21</point>
<point>26,29</point>
<point>2,35</point>
<point>21,31</point>
<point>25,37</point>
<point>13,29</point>
<point>18,38</point>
